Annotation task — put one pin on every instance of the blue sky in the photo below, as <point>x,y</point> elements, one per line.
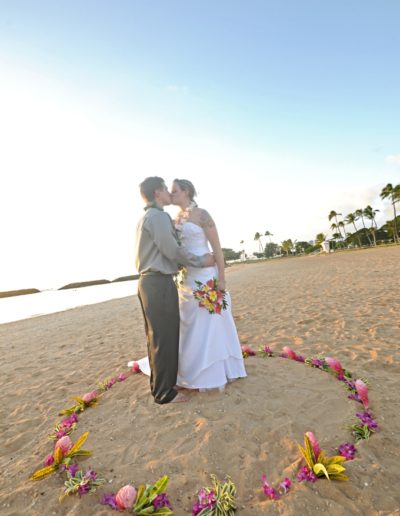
<point>277,111</point>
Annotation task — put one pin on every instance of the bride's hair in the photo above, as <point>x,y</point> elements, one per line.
<point>186,186</point>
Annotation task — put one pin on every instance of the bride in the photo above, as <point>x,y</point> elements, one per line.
<point>209,349</point>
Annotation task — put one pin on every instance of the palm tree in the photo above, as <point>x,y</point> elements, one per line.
<point>257,237</point>
<point>393,193</point>
<point>335,230</point>
<point>269,235</point>
<point>370,213</point>
<point>320,238</point>
<point>287,245</point>
<point>332,215</point>
<point>351,219</point>
<point>360,214</point>
<point>342,226</point>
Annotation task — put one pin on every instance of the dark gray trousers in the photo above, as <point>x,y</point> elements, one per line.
<point>159,300</point>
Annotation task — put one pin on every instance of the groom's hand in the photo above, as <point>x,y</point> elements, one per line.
<point>208,260</point>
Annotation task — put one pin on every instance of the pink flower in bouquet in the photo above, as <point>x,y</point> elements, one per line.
<point>49,460</point>
<point>289,352</point>
<point>121,377</point>
<point>126,497</point>
<point>64,444</point>
<point>136,368</point>
<point>334,364</point>
<point>314,444</point>
<point>89,396</point>
<point>362,391</point>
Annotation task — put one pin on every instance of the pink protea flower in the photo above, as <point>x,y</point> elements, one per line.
<point>89,396</point>
<point>64,444</point>
<point>126,497</point>
<point>314,444</point>
<point>49,460</point>
<point>362,391</point>
<point>334,364</point>
<point>289,352</point>
<point>136,368</point>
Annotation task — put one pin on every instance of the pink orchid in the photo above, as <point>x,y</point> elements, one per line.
<point>136,368</point>
<point>314,444</point>
<point>64,444</point>
<point>362,391</point>
<point>121,377</point>
<point>126,497</point>
<point>89,396</point>
<point>334,364</point>
<point>49,460</point>
<point>289,352</point>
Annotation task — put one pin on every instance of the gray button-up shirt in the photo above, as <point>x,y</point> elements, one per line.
<point>157,248</point>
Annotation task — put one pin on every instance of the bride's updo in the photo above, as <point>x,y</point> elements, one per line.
<point>186,186</point>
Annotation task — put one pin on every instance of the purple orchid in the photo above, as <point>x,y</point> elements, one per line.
<point>69,421</point>
<point>110,500</point>
<point>268,489</point>
<point>367,418</point>
<point>347,450</point>
<point>110,383</point>
<point>316,362</point>
<point>72,469</point>
<point>206,500</point>
<point>306,475</point>
<point>90,474</point>
<point>285,485</point>
<point>161,501</point>
<point>83,489</point>
<point>267,350</point>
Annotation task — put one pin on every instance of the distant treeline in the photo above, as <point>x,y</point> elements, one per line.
<point>23,292</point>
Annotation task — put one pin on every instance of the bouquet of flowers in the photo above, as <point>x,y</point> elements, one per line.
<point>210,297</point>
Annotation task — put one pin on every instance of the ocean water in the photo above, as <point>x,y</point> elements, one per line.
<point>50,301</point>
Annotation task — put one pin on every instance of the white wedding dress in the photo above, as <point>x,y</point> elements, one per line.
<point>210,354</point>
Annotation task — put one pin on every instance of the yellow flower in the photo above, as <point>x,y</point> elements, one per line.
<point>212,296</point>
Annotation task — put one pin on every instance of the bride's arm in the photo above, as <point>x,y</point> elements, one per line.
<point>211,233</point>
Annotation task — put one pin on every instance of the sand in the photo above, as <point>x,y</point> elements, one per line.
<point>344,305</point>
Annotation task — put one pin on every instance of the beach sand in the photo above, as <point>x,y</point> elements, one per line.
<point>344,305</point>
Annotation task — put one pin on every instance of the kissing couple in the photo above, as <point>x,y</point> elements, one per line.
<point>188,347</point>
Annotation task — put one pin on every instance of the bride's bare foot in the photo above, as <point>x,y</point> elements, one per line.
<point>180,398</point>
<point>179,388</point>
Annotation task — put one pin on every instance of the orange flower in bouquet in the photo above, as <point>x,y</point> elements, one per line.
<point>210,296</point>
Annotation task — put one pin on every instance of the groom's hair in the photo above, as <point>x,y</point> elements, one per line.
<point>149,186</point>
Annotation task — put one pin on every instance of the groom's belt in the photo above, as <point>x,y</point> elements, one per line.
<point>155,273</point>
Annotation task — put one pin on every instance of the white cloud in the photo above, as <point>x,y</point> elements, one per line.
<point>394,159</point>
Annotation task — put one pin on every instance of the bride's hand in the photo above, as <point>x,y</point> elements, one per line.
<point>222,284</point>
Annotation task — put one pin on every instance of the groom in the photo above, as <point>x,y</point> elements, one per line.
<point>157,256</point>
